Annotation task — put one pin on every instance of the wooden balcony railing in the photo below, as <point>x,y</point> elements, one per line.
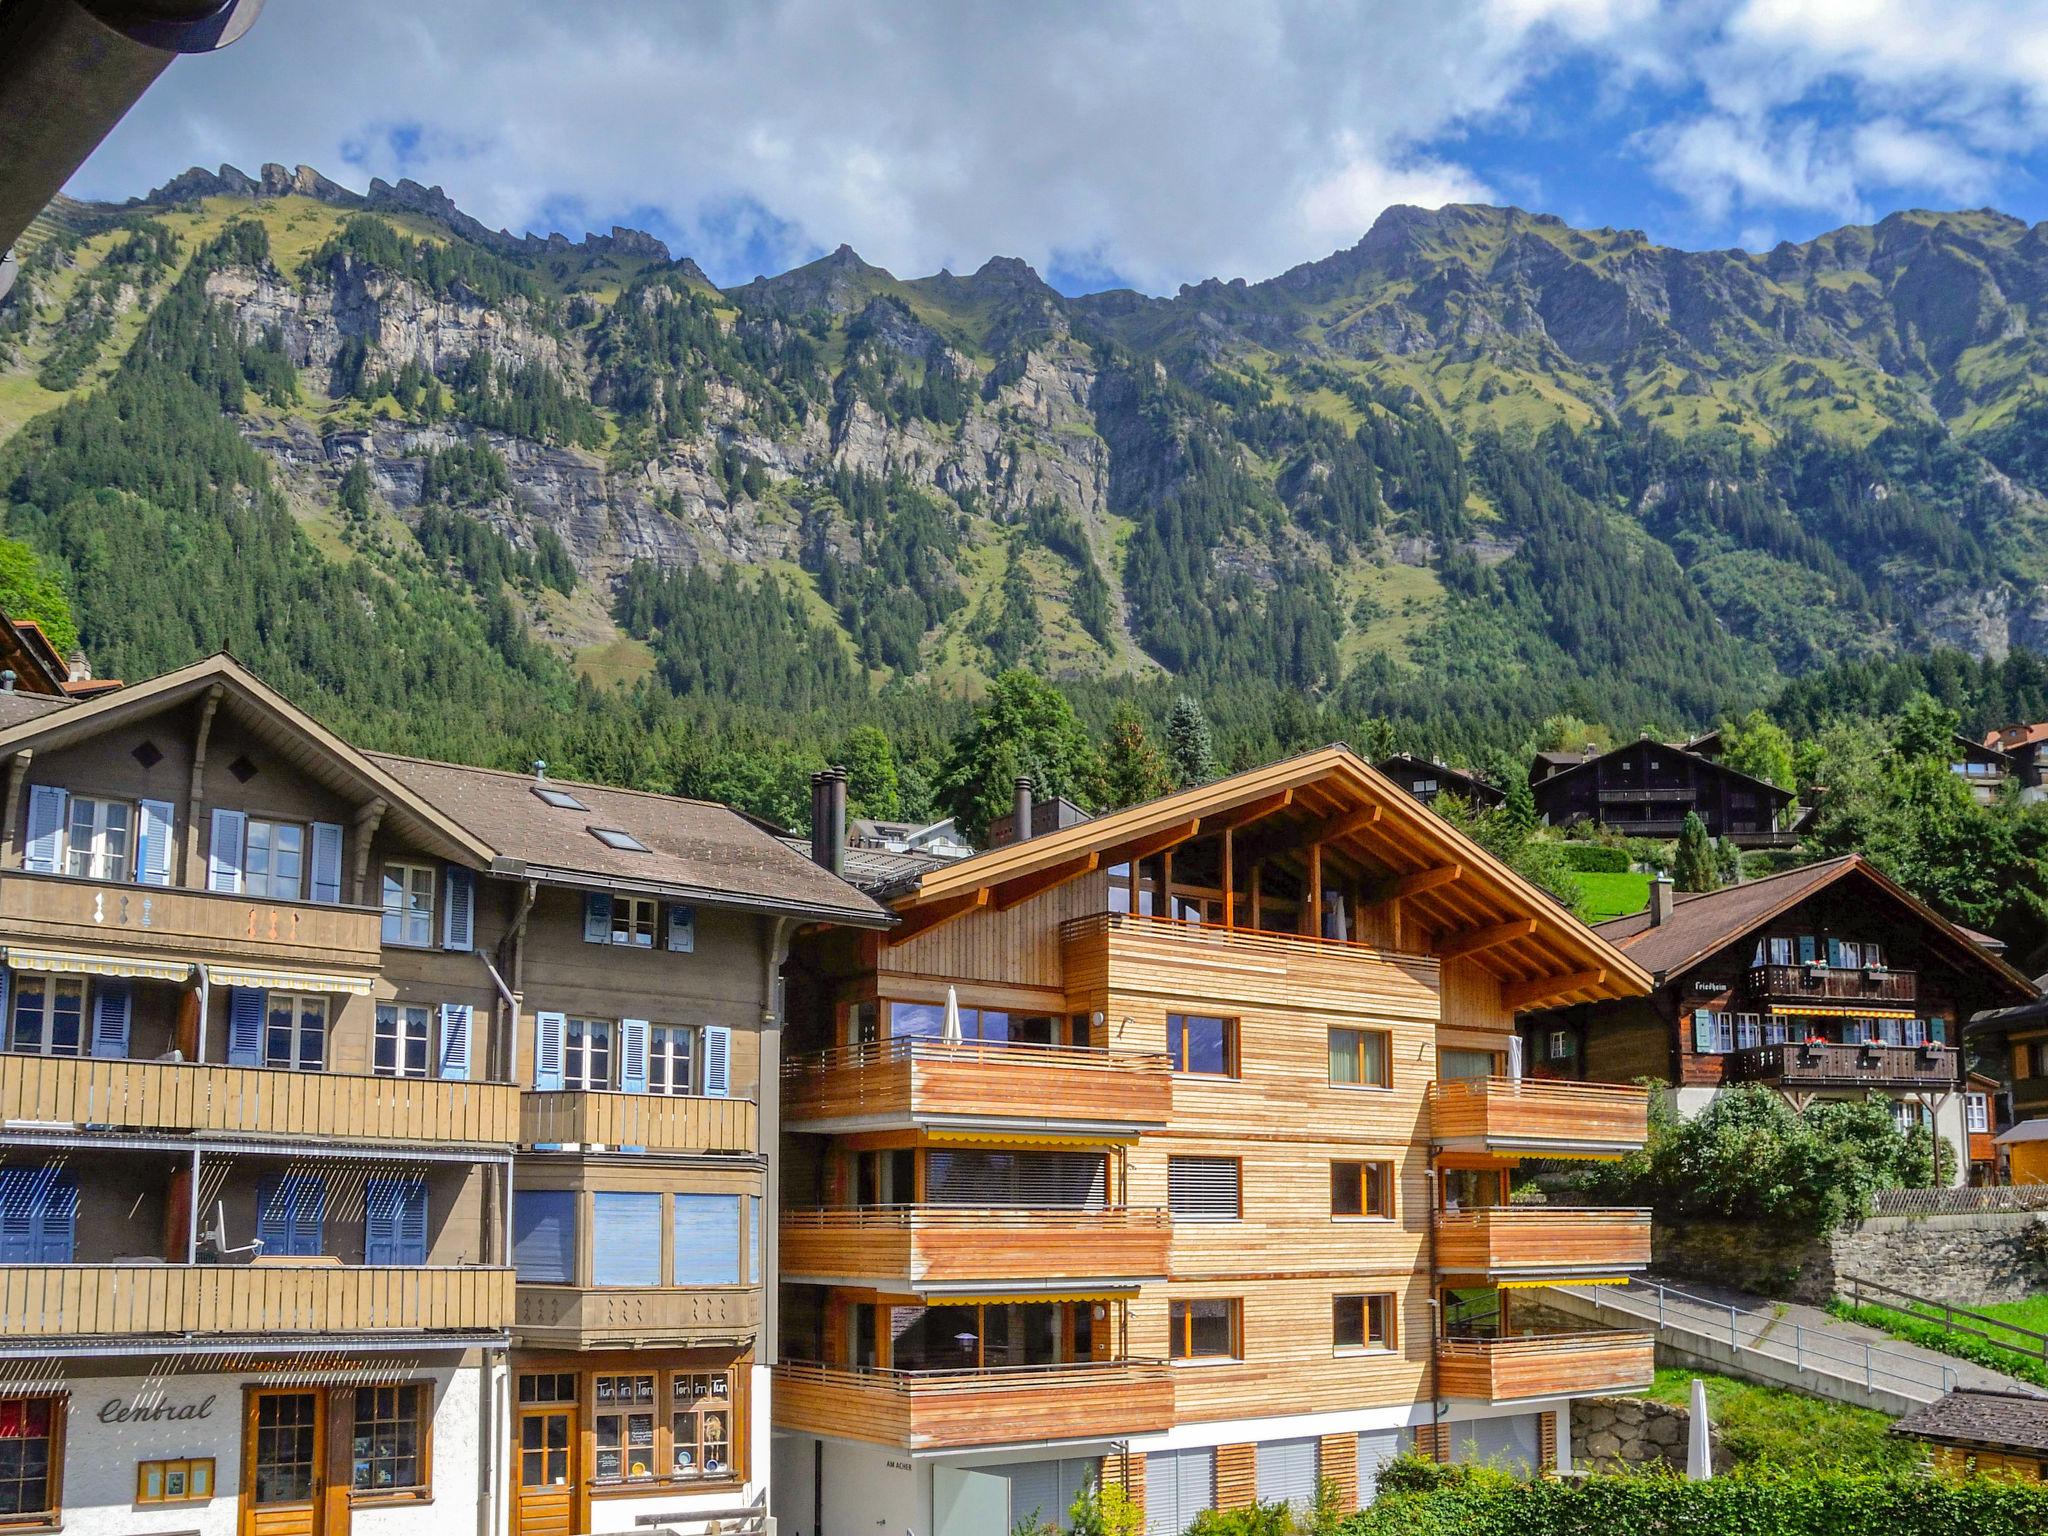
<point>1506,1114</point>
<point>911,1079</point>
<point>920,1410</point>
<point>1846,1066</point>
<point>650,1315</point>
<point>1529,1242</point>
<point>131,1300</point>
<point>1865,984</point>
<point>1544,1365</point>
<point>924,1245</point>
<point>253,1101</point>
<point>171,922</point>
<point>656,1122</point>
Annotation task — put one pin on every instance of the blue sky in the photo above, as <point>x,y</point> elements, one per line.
<point>1112,144</point>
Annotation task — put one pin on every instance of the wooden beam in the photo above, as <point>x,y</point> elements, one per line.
<point>920,920</point>
<point>1315,889</point>
<point>1156,842</point>
<point>1019,891</point>
<point>1470,941</point>
<point>1251,810</point>
<point>1517,995</point>
<point>1415,884</point>
<point>1229,883</point>
<point>1286,840</point>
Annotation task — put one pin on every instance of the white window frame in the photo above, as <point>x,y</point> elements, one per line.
<point>579,1054</point>
<point>664,1055</point>
<point>403,1025</point>
<point>1977,1112</point>
<point>107,851</point>
<point>298,1061</point>
<point>47,983</point>
<point>1560,1045</point>
<point>1782,951</point>
<point>1749,1031</point>
<point>266,835</point>
<point>634,921</point>
<point>414,882</point>
<point>1774,1030</point>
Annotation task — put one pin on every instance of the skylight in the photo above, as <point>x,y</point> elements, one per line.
<point>561,799</point>
<point>625,842</point>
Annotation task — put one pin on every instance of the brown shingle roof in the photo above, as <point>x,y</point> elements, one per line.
<point>2004,1421</point>
<point>16,707</point>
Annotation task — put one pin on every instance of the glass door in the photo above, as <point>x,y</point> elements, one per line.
<point>287,1462</point>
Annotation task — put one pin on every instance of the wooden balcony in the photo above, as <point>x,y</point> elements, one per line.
<point>1019,1405</point>
<point>1544,1365</point>
<point>1815,983</point>
<point>47,1092</point>
<point>570,1317</point>
<point>109,1301</point>
<point>171,923</point>
<point>940,1246</point>
<point>650,1122</point>
<point>1542,1242</point>
<point>1846,1066</point>
<point>1537,1116</point>
<point>917,1082</point>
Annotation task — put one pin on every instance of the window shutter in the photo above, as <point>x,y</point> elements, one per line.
<point>753,1239</point>
<point>1286,1471</point>
<point>1937,1031</point>
<point>395,1222</point>
<point>544,1236</point>
<point>111,1004</point>
<point>597,917</point>
<point>1807,951</point>
<point>58,1232</point>
<point>632,1055</point>
<point>291,1209</point>
<point>157,819</point>
<point>717,1061</point>
<point>1179,1485</point>
<point>682,930</point>
<point>455,1042</point>
<point>458,911</point>
<point>326,884</point>
<point>38,1216</point>
<point>46,807</point>
<point>1703,1031</point>
<point>1834,952</point>
<point>707,1239</point>
<point>549,1030</point>
<point>245,1026</point>
<point>224,852</point>
<point>412,1224</point>
<point>1375,1449</point>
<point>1203,1188</point>
<point>625,1236</point>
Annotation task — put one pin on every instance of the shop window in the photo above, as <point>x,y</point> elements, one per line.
<point>700,1424</point>
<point>389,1450</point>
<point>624,1427</point>
<point>31,1454</point>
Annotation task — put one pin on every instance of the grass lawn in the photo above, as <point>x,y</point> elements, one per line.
<point>2031,1313</point>
<point>1770,1426</point>
<point>1614,895</point>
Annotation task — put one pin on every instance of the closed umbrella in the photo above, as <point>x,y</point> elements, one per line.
<point>950,1030</point>
<point>1699,1447</point>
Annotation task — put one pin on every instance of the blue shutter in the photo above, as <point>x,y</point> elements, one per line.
<point>38,1216</point>
<point>1703,1033</point>
<point>455,1042</point>
<point>326,862</point>
<point>58,1231</point>
<point>682,930</point>
<point>395,1222</point>
<point>245,1026</point>
<point>707,1239</point>
<point>717,1061</point>
<point>544,1236</point>
<point>549,1032</point>
<point>291,1212</point>
<point>458,910</point>
<point>753,1239</point>
<point>1806,949</point>
<point>153,844</point>
<point>224,851</point>
<point>111,1007</point>
<point>1937,1031</point>
<point>597,917</point>
<point>1834,953</point>
<point>633,1055</point>
<point>45,844</point>
<point>625,1237</point>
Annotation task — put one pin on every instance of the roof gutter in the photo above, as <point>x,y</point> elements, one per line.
<point>732,901</point>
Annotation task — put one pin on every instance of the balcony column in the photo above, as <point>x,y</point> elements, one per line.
<point>196,793</point>
<point>768,1137</point>
<point>1229,880</point>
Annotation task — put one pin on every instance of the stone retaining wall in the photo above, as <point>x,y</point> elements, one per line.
<point>1630,1433</point>
<point>1971,1260</point>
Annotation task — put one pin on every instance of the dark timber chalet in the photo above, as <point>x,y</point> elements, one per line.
<point>1425,780</point>
<point>1645,788</point>
<point>1825,981</point>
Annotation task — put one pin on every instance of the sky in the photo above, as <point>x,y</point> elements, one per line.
<point>1120,144</point>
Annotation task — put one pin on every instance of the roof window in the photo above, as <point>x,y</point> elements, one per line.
<point>613,837</point>
<point>561,799</point>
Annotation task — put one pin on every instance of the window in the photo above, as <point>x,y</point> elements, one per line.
<point>1779,951</point>
<point>388,1451</point>
<point>560,799</point>
<point>295,1031</point>
<point>1749,1031</point>
<point>49,1015</point>
<point>708,1246</point>
<point>1454,1062</point>
<point>927,1021</point>
<point>1204,1188</point>
<point>671,1056</point>
<point>1202,1044</point>
<point>544,1239</point>
<point>273,859</point>
<point>97,841</point>
<point>1362,1189</point>
<point>1774,1030</point>
<point>587,1054</point>
<point>1562,1046</point>
<point>1713,1033</point>
<point>174,1482</point>
<point>624,1427</point>
<point>291,1213</point>
<point>31,1451</point>
<point>1203,1330</point>
<point>1362,1323</point>
<point>700,1424</point>
<point>625,1238</point>
<point>1360,1058</point>
<point>613,837</point>
<point>409,904</point>
<point>1978,1107</point>
<point>402,1035</point>
<point>633,921</point>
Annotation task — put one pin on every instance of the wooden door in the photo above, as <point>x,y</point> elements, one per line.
<point>284,1467</point>
<point>547,1471</point>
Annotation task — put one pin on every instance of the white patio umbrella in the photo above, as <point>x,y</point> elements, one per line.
<point>1699,1446</point>
<point>949,1031</point>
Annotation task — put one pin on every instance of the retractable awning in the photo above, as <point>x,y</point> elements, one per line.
<point>1032,1138</point>
<point>1801,1010</point>
<point>68,962</point>
<point>223,974</point>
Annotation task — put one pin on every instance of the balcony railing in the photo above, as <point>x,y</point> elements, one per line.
<point>171,922</point>
<point>95,1093</point>
<point>650,1315</point>
<point>1544,1365</point>
<point>652,1121</point>
<point>1506,1114</point>
<point>133,1300</point>
<point>1846,1066</point>
<point>921,1410</point>
<point>1542,1242</point>
<point>917,1079</point>
<point>1863,984</point>
<point>935,1245</point>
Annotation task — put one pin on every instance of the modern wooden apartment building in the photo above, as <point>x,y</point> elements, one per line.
<point>384,1145</point>
<point>1172,1147</point>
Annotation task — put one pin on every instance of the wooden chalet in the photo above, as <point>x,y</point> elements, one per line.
<point>1425,779</point>
<point>1975,1432</point>
<point>1645,788</point>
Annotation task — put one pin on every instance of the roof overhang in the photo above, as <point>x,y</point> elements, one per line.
<point>714,900</point>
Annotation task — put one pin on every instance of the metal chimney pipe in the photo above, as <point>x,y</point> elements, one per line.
<point>1020,811</point>
<point>835,815</point>
<point>821,816</point>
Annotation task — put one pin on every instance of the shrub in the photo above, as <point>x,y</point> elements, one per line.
<point>1594,858</point>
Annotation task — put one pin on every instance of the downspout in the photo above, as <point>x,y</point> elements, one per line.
<point>205,998</point>
<point>1438,1408</point>
<point>769,1119</point>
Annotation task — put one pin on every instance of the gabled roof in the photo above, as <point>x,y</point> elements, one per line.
<point>1973,1418</point>
<point>2005,738</point>
<point>1702,925</point>
<point>1376,822</point>
<point>1575,764</point>
<point>1992,748</point>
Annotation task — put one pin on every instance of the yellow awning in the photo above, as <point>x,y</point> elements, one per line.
<point>74,963</point>
<point>1802,1011</point>
<point>994,1137</point>
<point>229,975</point>
<point>1538,1285</point>
<point>943,1299</point>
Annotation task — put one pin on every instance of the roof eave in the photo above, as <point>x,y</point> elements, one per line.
<point>695,895</point>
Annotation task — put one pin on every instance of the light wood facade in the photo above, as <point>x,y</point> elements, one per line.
<point>948,1409</point>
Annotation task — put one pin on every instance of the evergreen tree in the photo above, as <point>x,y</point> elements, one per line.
<point>1695,867</point>
<point>1024,726</point>
<point>1133,768</point>
<point>1518,811</point>
<point>1190,749</point>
